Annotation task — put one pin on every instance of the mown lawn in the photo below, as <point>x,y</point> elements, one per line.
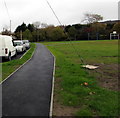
<point>71,89</point>
<point>11,66</point>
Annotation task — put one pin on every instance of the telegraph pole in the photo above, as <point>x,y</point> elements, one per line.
<point>10,26</point>
<point>119,10</point>
<point>21,34</point>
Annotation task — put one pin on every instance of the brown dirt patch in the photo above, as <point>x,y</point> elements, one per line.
<point>107,76</point>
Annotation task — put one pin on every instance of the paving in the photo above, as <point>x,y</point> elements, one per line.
<point>28,91</point>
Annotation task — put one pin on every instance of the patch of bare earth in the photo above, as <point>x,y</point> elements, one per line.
<point>107,76</point>
<point>58,108</point>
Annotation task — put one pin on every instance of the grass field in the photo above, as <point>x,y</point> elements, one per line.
<point>11,66</point>
<point>72,96</point>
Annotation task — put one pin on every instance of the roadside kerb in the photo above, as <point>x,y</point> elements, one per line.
<point>52,94</point>
<point>24,54</point>
<point>18,68</point>
<point>53,82</point>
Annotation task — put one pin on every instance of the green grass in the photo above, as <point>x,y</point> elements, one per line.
<point>91,100</point>
<point>11,66</point>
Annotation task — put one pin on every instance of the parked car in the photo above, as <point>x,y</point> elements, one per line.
<point>7,49</point>
<point>20,46</point>
<point>27,44</point>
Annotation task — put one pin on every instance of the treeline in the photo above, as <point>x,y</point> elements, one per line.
<point>93,31</point>
<point>33,33</point>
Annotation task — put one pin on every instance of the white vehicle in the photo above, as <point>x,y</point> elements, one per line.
<point>27,44</point>
<point>20,47</point>
<point>7,49</point>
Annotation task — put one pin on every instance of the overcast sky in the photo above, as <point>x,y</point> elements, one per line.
<point>68,11</point>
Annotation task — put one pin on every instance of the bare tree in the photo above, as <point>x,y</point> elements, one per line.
<point>44,25</point>
<point>92,18</point>
<point>36,24</point>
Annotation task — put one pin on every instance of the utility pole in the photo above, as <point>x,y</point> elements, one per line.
<point>119,10</point>
<point>10,26</point>
<point>21,35</point>
<point>88,36</point>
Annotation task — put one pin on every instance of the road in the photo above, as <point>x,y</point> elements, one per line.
<point>18,56</point>
<point>28,91</point>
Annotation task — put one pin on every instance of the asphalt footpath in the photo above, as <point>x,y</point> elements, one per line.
<point>28,91</point>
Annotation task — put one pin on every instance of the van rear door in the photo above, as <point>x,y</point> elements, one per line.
<point>2,46</point>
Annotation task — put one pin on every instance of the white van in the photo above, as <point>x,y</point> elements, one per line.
<point>7,49</point>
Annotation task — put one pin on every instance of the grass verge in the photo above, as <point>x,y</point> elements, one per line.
<point>11,66</point>
<point>89,99</point>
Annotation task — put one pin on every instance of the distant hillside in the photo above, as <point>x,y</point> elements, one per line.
<point>111,21</point>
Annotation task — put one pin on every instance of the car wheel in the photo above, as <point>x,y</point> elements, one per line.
<point>22,50</point>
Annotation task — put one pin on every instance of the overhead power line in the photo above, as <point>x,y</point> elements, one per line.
<point>8,14</point>
<point>81,59</point>
<point>54,12</point>
<point>7,10</point>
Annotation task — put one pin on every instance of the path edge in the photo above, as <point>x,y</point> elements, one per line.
<point>53,84</point>
<point>24,54</point>
<point>18,68</point>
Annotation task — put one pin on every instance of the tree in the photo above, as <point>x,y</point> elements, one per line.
<point>98,27</point>
<point>36,24</point>
<point>27,35</point>
<point>72,32</point>
<point>54,34</point>
<point>31,27</point>
<point>42,35</point>
<point>44,25</point>
<point>91,18</point>
<point>6,32</point>
<point>58,34</point>
<point>20,28</point>
<point>116,27</point>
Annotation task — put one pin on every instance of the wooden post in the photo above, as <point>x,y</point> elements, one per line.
<point>21,35</point>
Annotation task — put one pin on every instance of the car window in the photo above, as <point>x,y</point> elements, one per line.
<point>18,43</point>
<point>26,41</point>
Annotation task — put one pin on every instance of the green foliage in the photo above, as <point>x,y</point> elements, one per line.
<point>27,35</point>
<point>31,27</point>
<point>55,34</point>
<point>116,27</point>
<point>72,32</point>
<point>22,28</point>
<point>58,34</point>
<point>98,27</point>
<point>95,30</point>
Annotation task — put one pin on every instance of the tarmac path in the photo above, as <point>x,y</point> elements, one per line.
<point>28,91</point>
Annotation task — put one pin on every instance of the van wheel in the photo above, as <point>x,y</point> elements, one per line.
<point>9,57</point>
<point>16,53</point>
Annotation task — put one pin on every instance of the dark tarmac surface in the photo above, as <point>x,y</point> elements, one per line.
<point>28,91</point>
<point>19,55</point>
